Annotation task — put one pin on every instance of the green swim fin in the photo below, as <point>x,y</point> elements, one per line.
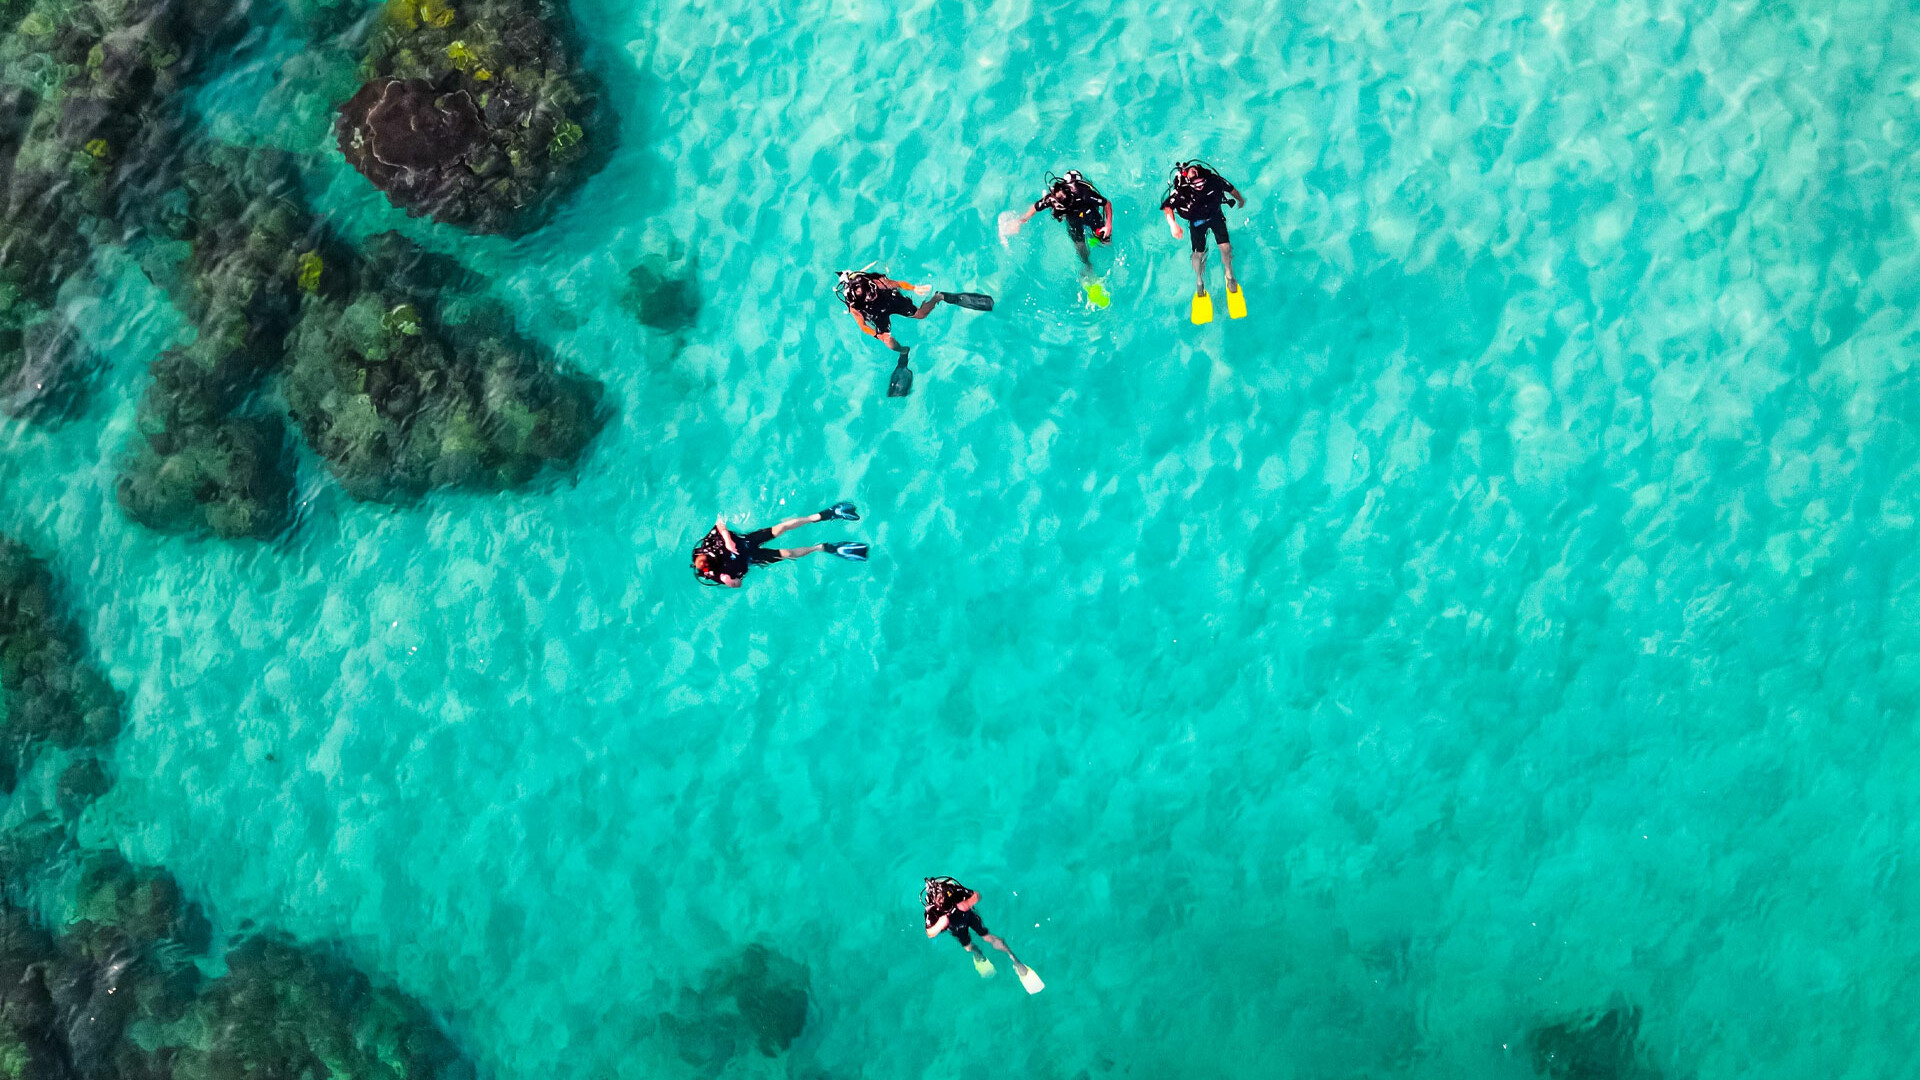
<point>1202,309</point>
<point>984,966</point>
<point>1096,292</point>
<point>1236,303</point>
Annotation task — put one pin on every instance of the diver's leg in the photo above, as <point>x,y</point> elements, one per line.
<point>794,523</point>
<point>887,339</point>
<point>1226,257</point>
<point>1086,257</point>
<point>801,553</point>
<point>928,306</point>
<point>994,940</point>
<point>1200,273</point>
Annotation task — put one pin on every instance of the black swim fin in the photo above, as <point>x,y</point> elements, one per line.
<point>840,511</point>
<point>976,300</point>
<point>850,550</point>
<point>902,382</point>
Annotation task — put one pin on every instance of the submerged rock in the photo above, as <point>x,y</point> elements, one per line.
<point>289,1011</point>
<point>1597,1046</point>
<point>475,113</point>
<point>53,694</point>
<point>45,370</point>
<point>87,115</point>
<point>201,462</point>
<point>663,292</point>
<point>755,1001</point>
<point>408,379</point>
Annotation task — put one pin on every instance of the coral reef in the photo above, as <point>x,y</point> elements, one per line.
<point>474,112</point>
<point>287,1011</point>
<point>199,462</point>
<point>84,116</point>
<point>403,377</point>
<point>663,291</point>
<point>45,370</point>
<point>1596,1046</point>
<point>756,1000</point>
<point>117,995</point>
<point>52,693</point>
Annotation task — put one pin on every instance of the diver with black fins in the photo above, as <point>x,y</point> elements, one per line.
<point>722,558</point>
<point>949,908</point>
<point>875,299</point>
<point>1074,200</point>
<point>1196,193</point>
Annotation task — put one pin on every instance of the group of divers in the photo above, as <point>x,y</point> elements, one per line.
<point>1196,193</point>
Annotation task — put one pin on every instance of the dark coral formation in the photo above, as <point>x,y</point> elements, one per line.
<point>1596,1046</point>
<point>475,112</point>
<point>53,694</point>
<point>404,378</point>
<point>201,461</point>
<point>663,291</point>
<point>45,370</point>
<point>83,121</point>
<point>286,1011</point>
<point>116,996</point>
<point>756,1001</point>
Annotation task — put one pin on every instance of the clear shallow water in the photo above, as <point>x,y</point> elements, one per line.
<point>1518,611</point>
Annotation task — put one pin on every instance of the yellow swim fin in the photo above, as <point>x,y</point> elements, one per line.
<point>1096,293</point>
<point>1236,303</point>
<point>1202,309</point>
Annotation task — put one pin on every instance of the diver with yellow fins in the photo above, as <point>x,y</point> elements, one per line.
<point>1196,193</point>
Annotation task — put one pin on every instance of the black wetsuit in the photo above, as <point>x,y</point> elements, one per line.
<point>877,303</point>
<point>961,924</point>
<point>1077,203</point>
<point>1200,204</point>
<point>734,564</point>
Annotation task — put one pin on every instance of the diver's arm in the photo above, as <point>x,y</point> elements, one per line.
<point>1105,231</point>
<point>938,926</point>
<point>967,904</point>
<point>862,320</point>
<point>907,285</point>
<point>725,536</point>
<point>1171,224</point>
<point>1239,200</point>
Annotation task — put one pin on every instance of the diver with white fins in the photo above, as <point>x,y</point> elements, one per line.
<point>949,908</point>
<point>1196,193</point>
<point>874,299</point>
<point>1074,200</point>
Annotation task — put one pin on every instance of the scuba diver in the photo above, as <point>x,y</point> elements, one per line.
<point>1195,193</point>
<point>949,907</point>
<point>722,558</point>
<point>1078,203</point>
<point>874,300</point>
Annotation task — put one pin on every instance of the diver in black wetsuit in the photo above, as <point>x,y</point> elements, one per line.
<point>874,300</point>
<point>949,907</point>
<point>1078,203</point>
<point>723,558</point>
<point>1196,194</point>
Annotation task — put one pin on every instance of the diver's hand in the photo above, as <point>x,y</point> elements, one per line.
<point>1105,233</point>
<point>1177,234</point>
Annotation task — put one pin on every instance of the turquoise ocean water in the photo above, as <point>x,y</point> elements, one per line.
<point>1518,613</point>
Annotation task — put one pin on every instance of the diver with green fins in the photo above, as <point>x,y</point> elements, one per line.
<point>874,299</point>
<point>1074,200</point>
<point>722,557</point>
<point>1196,192</point>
